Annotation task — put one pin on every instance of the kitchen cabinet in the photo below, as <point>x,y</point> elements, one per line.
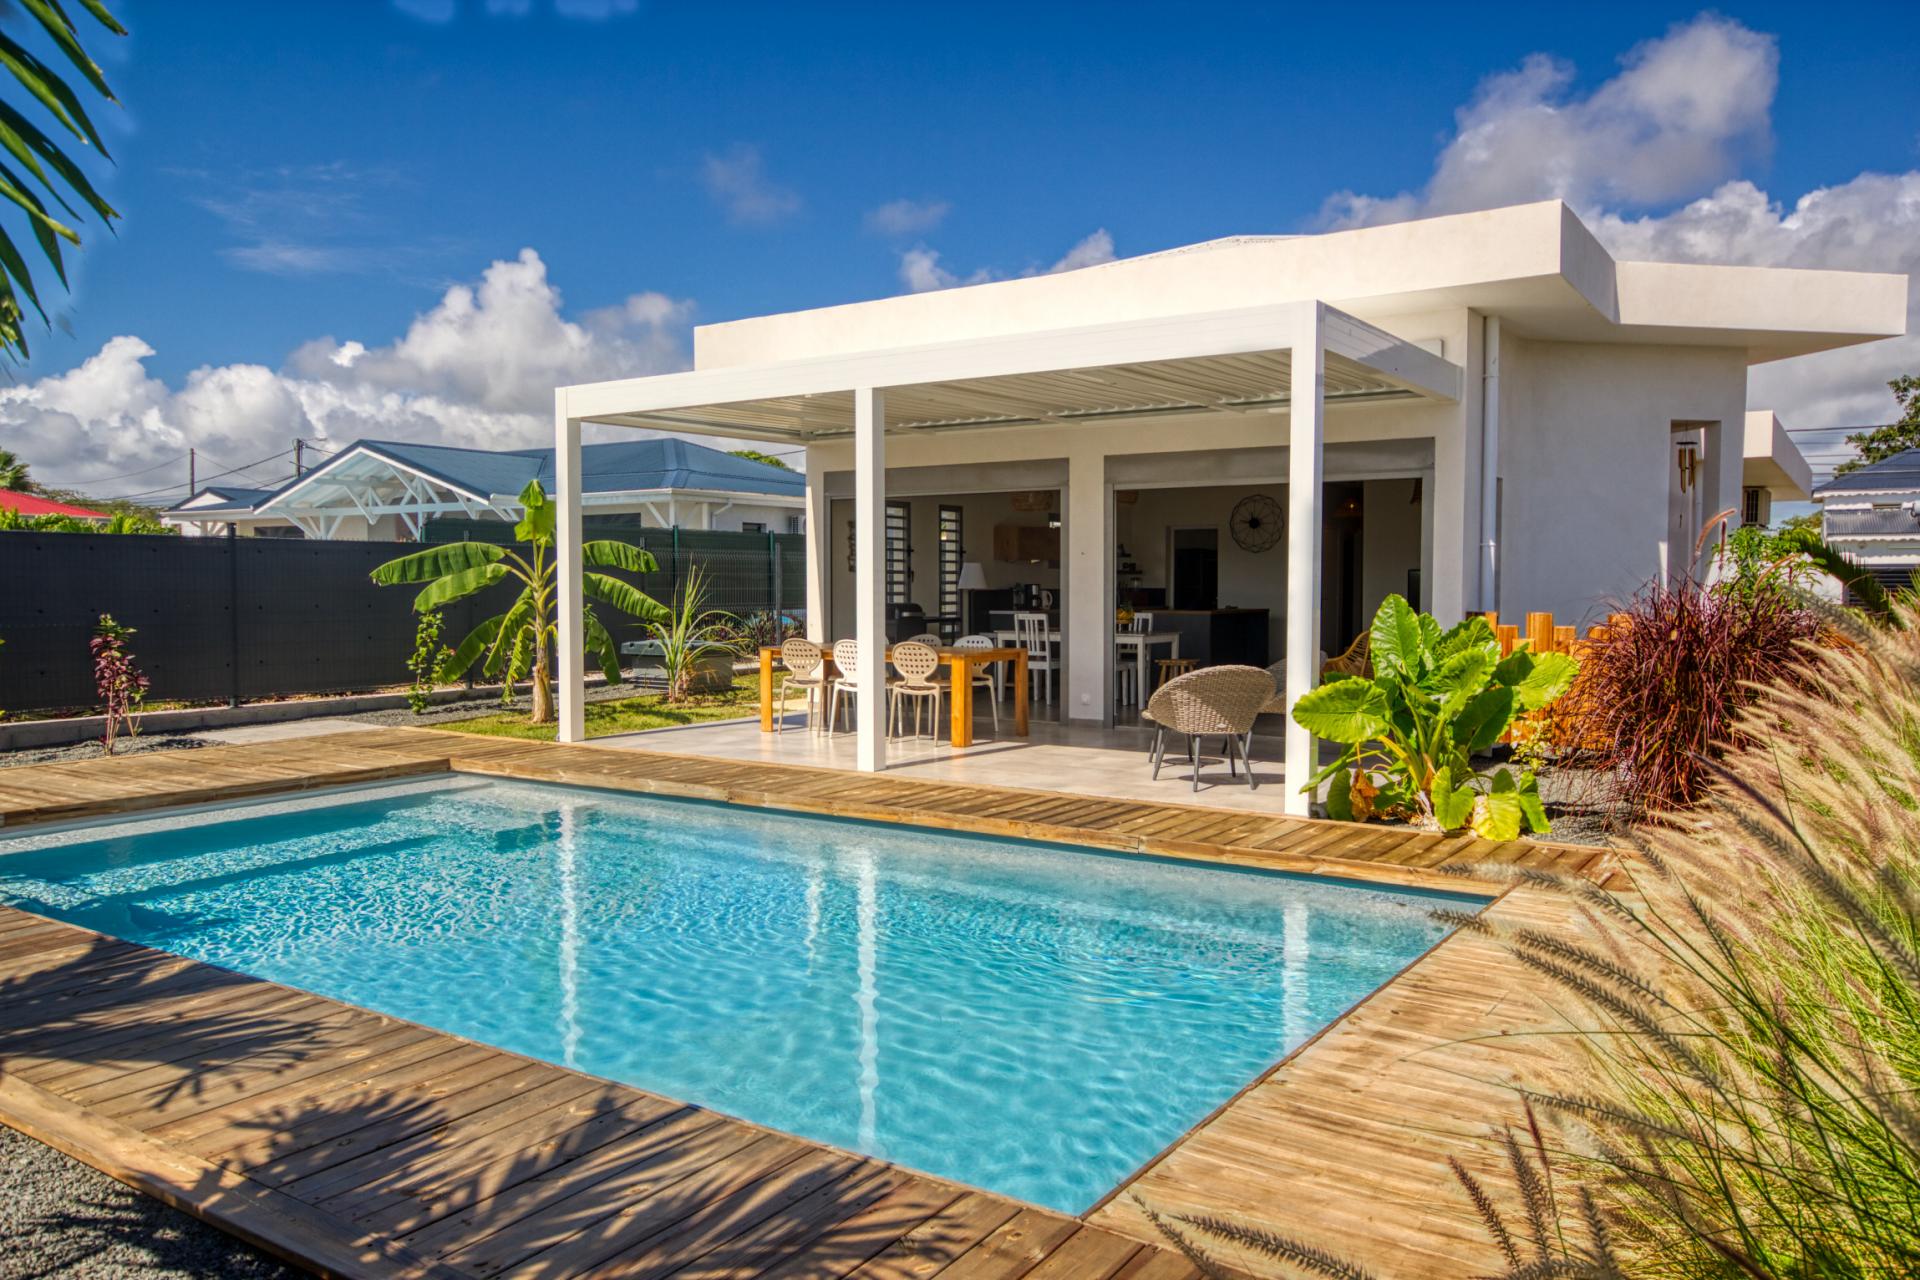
<point>1026,544</point>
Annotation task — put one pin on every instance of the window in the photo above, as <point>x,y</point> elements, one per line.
<point>951,556</point>
<point>899,566</point>
<point>796,524</point>
<point>752,526</point>
<point>1750,506</point>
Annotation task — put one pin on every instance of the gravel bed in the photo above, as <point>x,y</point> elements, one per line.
<point>91,750</point>
<point>59,1218</point>
<point>473,708</point>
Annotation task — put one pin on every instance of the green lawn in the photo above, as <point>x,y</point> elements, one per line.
<point>626,715</point>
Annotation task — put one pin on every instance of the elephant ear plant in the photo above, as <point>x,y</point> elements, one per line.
<point>521,641</point>
<point>1435,700</point>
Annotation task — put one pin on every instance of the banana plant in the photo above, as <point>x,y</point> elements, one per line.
<point>1435,700</point>
<point>520,642</point>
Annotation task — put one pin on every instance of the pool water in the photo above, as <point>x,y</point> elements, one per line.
<point>1027,1018</point>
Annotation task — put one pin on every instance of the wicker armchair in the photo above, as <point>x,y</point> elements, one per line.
<point>1222,700</point>
<point>1356,661</point>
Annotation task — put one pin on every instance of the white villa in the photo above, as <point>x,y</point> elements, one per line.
<point>1260,436</point>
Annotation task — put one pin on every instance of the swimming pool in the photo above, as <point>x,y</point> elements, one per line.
<point>1031,1019</point>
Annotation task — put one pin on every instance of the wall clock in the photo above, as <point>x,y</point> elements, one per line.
<point>1256,522</point>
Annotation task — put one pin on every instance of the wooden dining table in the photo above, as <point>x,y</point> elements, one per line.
<point>961,665</point>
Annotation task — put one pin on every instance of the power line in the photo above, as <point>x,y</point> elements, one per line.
<point>169,488</point>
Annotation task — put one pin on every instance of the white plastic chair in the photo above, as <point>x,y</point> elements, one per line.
<point>1030,633</point>
<point>916,664</point>
<point>987,677</point>
<point>1125,669</point>
<point>804,664</point>
<point>846,656</point>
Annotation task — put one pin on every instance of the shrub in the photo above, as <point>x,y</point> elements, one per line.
<point>1662,686</point>
<point>1736,1090</point>
<point>1435,700</point>
<point>425,661</point>
<point>689,632</point>
<point>118,682</point>
<point>1753,1038</point>
<point>768,627</point>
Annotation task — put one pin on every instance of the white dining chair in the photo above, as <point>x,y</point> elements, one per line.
<point>804,667</point>
<point>1126,669</point>
<point>916,664</point>
<point>987,677</point>
<point>1030,632</point>
<point>846,656</point>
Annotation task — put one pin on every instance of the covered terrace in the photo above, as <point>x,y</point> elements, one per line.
<point>1260,377</point>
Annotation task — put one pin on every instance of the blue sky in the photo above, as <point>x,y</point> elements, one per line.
<point>297,177</point>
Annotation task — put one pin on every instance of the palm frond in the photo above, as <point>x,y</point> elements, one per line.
<point>45,172</point>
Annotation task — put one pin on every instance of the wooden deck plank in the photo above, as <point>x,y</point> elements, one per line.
<point>370,1146</point>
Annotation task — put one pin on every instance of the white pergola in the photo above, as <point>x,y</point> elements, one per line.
<point>1295,358</point>
<point>370,485</point>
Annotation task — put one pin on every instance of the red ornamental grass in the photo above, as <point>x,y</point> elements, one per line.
<point>1660,695</point>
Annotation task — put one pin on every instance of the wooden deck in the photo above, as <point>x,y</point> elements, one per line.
<point>361,1145</point>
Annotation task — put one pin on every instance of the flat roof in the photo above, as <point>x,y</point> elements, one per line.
<point>1537,266</point>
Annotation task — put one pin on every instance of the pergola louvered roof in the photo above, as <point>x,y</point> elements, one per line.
<point>1230,362</point>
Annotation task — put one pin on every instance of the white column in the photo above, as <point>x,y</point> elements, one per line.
<point>1087,581</point>
<point>572,600</point>
<point>1306,425</point>
<point>870,574</point>
<point>817,547</point>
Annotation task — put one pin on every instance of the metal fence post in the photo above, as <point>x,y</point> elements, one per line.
<point>233,609</point>
<point>773,574</point>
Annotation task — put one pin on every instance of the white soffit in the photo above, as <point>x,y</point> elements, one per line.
<point>1227,362</point>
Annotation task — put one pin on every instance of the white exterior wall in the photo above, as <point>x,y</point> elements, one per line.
<point>1585,454</point>
<point>742,513</point>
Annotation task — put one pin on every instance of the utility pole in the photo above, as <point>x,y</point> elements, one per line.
<point>298,446</point>
<point>192,461</point>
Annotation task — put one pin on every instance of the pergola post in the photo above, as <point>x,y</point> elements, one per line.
<point>572,664</point>
<point>818,547</point>
<point>1306,423</point>
<point>870,575</point>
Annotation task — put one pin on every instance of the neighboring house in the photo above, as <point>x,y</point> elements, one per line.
<point>1261,437</point>
<point>32,504</point>
<point>387,491</point>
<point>213,508</point>
<point>1774,470</point>
<point>1872,516</point>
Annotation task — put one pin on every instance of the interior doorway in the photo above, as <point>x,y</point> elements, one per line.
<point>1194,560</point>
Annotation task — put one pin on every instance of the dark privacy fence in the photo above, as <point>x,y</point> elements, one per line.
<point>221,618</point>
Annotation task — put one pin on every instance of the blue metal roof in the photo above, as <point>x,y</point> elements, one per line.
<point>627,465</point>
<point>232,498</point>
<point>1900,473</point>
<point>624,466</point>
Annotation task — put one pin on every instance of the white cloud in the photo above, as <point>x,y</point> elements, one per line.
<point>1682,114</point>
<point>1090,252</point>
<point>738,183</point>
<point>1674,126</point>
<point>477,369</point>
<point>907,217</point>
<point>921,272</point>
<point>296,220</point>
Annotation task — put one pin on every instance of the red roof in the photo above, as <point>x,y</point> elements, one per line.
<point>30,504</point>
